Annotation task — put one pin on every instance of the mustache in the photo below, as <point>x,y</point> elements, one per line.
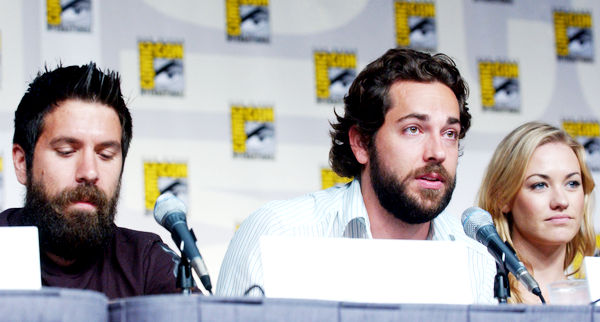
<point>83,193</point>
<point>431,168</point>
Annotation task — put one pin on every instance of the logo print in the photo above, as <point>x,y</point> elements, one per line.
<point>415,25</point>
<point>69,15</point>
<point>334,73</point>
<point>161,68</point>
<point>499,86</point>
<point>253,132</point>
<point>573,34</point>
<point>247,20</point>
<point>162,177</point>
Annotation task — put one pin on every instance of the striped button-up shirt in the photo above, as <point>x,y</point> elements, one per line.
<point>334,212</point>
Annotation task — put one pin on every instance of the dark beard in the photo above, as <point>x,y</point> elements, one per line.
<point>70,234</point>
<point>393,197</point>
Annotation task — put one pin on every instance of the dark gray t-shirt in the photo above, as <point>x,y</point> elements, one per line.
<point>135,263</point>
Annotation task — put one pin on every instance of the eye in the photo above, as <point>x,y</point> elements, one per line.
<point>538,186</point>
<point>573,184</point>
<point>451,134</point>
<point>65,152</point>
<point>412,130</point>
<point>107,154</point>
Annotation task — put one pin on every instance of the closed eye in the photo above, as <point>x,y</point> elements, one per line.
<point>108,150</point>
<point>64,152</point>
<point>107,154</point>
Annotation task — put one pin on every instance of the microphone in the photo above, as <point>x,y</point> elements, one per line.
<point>169,212</point>
<point>478,225</point>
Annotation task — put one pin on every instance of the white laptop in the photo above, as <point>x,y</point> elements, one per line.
<point>20,259</point>
<point>366,270</point>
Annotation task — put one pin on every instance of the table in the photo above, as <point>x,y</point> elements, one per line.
<point>53,304</point>
<point>56,304</point>
<point>201,308</point>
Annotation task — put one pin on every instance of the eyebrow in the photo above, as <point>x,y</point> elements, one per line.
<point>546,177</point>
<point>425,117</point>
<point>74,141</point>
<point>110,144</point>
<point>63,140</point>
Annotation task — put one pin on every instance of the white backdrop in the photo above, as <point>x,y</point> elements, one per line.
<point>271,65</point>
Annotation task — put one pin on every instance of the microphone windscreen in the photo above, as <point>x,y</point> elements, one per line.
<point>474,218</point>
<point>165,204</point>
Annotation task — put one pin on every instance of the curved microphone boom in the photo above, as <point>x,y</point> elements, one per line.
<point>169,212</point>
<point>478,225</point>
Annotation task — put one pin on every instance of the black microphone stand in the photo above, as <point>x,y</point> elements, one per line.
<point>185,279</point>
<point>501,285</point>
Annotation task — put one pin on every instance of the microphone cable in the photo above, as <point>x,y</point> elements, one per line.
<point>253,287</point>
<point>537,292</point>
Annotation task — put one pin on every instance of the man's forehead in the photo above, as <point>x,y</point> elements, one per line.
<point>423,101</point>
<point>78,116</point>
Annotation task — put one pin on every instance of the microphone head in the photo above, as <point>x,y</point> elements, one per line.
<point>473,219</point>
<point>168,203</point>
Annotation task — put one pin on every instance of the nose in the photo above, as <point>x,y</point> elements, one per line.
<point>87,169</point>
<point>559,200</point>
<point>434,150</point>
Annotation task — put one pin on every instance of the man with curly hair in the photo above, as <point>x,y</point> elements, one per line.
<point>398,137</point>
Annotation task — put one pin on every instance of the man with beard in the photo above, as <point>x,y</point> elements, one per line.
<point>72,134</point>
<point>399,138</point>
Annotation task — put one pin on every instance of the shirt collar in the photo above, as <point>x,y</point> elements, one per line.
<point>354,217</point>
<point>443,228</point>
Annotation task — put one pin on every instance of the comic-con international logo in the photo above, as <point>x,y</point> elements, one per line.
<point>253,132</point>
<point>247,20</point>
<point>573,33</point>
<point>415,25</point>
<point>69,15</point>
<point>161,68</point>
<point>334,73</point>
<point>588,134</point>
<point>499,82</point>
<point>329,179</point>
<point>160,177</point>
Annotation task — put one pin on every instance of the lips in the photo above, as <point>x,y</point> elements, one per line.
<point>559,219</point>
<point>432,176</point>
<point>431,180</point>
<point>84,203</point>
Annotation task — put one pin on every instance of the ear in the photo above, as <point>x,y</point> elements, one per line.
<point>20,164</point>
<point>358,145</point>
<point>505,209</point>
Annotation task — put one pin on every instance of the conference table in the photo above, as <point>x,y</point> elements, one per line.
<point>57,304</point>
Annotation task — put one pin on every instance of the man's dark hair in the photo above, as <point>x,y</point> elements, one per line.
<point>367,101</point>
<point>52,87</point>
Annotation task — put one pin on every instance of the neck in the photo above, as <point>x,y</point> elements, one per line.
<point>545,262</point>
<point>385,225</point>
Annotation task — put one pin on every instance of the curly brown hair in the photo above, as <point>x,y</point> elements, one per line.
<point>368,101</point>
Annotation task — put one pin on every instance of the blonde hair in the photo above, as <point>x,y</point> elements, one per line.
<point>505,175</point>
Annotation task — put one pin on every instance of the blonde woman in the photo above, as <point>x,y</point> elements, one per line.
<point>537,188</point>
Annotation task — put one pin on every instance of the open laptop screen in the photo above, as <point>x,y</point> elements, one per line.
<point>366,270</point>
<point>19,258</point>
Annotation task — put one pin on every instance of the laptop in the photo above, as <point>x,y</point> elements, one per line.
<point>366,270</point>
<point>20,258</point>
